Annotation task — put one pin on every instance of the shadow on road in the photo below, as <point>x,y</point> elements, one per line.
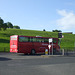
<point>30,54</point>
<point>4,59</point>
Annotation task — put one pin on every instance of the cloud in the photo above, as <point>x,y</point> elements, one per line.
<point>67,20</point>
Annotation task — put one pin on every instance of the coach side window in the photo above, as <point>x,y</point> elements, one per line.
<point>34,39</point>
<point>31,39</point>
<point>54,40</point>
<point>23,39</point>
<point>45,40</point>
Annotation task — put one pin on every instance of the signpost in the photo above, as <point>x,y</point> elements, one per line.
<point>50,40</point>
<point>52,47</point>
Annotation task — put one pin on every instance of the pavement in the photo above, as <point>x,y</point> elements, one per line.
<point>19,64</point>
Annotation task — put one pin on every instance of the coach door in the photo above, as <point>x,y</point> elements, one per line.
<point>44,44</point>
<point>36,44</point>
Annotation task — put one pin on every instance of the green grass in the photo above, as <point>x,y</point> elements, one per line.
<point>67,41</point>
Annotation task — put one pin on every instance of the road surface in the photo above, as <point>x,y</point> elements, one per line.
<point>18,64</point>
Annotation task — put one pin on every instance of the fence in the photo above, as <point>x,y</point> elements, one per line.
<point>68,51</point>
<point>4,49</point>
<point>68,48</point>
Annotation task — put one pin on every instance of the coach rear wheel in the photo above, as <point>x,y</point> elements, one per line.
<point>33,52</point>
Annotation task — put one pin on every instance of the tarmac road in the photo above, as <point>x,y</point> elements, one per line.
<point>13,64</point>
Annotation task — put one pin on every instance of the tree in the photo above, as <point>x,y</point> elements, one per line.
<point>1,23</point>
<point>4,26</point>
<point>44,30</point>
<point>10,25</point>
<point>7,25</point>
<point>56,30</point>
<point>16,27</point>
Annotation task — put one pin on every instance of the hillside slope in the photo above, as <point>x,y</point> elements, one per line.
<point>67,41</point>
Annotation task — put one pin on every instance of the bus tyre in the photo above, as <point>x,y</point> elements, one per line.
<point>33,52</point>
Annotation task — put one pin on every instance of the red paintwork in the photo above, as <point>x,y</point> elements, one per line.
<point>26,47</point>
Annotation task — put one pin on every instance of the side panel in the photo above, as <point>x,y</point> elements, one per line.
<point>25,47</point>
<point>36,46</point>
<point>43,46</point>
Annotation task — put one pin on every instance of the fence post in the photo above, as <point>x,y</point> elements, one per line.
<point>67,53</point>
<point>4,49</point>
<point>74,46</point>
<point>63,52</point>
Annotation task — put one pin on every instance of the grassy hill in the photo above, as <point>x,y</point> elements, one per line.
<point>67,41</point>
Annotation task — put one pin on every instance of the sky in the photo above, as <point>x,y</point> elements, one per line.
<point>40,14</point>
